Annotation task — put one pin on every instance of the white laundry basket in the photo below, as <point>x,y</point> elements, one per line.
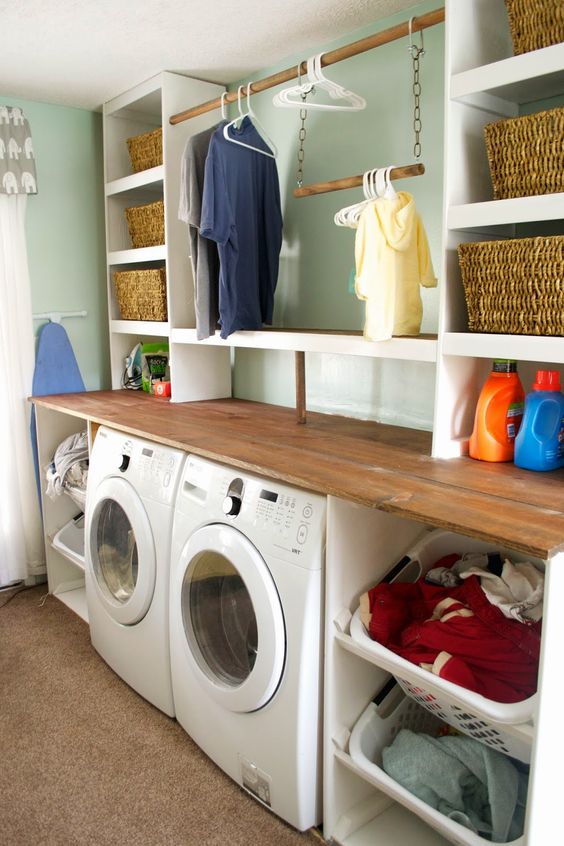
<point>372,733</point>
<point>505,727</point>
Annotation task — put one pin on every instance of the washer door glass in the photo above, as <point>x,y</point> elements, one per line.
<point>120,551</point>
<point>232,618</point>
<point>117,563</point>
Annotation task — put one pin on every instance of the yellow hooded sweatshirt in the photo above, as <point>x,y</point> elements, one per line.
<point>392,261</point>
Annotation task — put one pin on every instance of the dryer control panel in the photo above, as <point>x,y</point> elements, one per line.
<point>286,522</point>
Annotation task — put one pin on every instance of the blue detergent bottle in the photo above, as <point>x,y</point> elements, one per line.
<point>539,444</point>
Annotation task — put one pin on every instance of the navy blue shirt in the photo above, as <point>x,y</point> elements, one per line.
<point>241,212</point>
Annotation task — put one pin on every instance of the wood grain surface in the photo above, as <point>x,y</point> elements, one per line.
<point>383,467</point>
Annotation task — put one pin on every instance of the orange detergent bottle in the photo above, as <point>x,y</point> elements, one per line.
<point>498,414</point>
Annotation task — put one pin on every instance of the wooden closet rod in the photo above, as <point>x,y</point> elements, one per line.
<point>355,181</point>
<point>330,58</point>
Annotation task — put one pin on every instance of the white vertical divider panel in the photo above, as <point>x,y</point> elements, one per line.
<point>197,372</point>
<point>545,791</point>
<point>180,93</point>
<point>200,372</point>
<point>362,545</point>
<point>52,428</point>
<point>477,33</point>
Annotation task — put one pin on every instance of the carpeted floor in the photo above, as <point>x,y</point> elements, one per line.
<point>86,761</point>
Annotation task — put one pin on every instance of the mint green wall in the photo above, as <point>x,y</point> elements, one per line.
<point>65,228</point>
<point>317,257</point>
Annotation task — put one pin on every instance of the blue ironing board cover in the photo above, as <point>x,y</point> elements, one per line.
<point>56,372</point>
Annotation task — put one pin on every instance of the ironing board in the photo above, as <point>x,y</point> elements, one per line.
<point>56,372</point>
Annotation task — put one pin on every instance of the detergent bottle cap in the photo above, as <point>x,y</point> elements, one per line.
<point>504,365</point>
<point>547,380</point>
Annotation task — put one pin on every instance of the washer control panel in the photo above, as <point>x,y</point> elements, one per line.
<point>154,470</point>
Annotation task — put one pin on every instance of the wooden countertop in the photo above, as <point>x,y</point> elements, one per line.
<point>383,467</point>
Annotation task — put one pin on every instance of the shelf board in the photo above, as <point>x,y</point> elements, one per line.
<point>140,327</point>
<point>148,180</point>
<point>520,347</point>
<point>518,79</point>
<point>75,600</point>
<point>480,216</point>
<point>395,824</point>
<point>142,254</point>
<point>420,348</point>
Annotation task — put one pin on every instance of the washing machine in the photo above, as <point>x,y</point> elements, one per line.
<point>246,617</point>
<point>132,484</point>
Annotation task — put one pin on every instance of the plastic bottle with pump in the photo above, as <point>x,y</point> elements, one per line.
<point>540,442</point>
<point>498,413</point>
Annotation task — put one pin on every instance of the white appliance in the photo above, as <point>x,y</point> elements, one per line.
<point>130,496</point>
<point>246,631</point>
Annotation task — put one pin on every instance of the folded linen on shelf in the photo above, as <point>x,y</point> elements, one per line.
<point>465,780</point>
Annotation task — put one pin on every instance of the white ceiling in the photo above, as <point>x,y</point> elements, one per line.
<point>83,52</point>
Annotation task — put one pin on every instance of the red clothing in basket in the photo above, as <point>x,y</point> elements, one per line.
<point>458,635</point>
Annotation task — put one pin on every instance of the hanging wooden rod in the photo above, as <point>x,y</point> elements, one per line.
<point>330,58</point>
<point>355,181</point>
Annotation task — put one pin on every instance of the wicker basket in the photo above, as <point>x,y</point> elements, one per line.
<point>535,23</point>
<point>141,294</point>
<point>146,150</point>
<point>526,154</point>
<point>514,287</point>
<point>146,224</point>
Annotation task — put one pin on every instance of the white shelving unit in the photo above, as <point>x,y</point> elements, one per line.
<point>199,369</point>
<point>485,82</point>
<point>355,812</point>
<point>362,546</point>
<point>143,108</point>
<point>65,572</point>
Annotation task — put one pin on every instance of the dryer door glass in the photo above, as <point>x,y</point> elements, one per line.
<point>230,615</point>
<point>221,617</point>
<point>116,563</point>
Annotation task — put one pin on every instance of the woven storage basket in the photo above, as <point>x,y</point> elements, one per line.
<point>535,23</point>
<point>146,224</point>
<point>146,150</point>
<point>526,154</point>
<point>514,287</point>
<point>141,294</point>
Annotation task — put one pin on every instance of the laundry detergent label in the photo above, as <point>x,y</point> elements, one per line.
<point>513,419</point>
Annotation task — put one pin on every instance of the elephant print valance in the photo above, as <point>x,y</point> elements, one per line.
<point>17,162</point>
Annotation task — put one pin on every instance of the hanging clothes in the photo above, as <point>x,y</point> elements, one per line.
<point>203,252</point>
<point>392,262</point>
<point>241,212</point>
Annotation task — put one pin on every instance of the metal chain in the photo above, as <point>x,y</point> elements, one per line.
<point>301,139</point>
<point>416,53</point>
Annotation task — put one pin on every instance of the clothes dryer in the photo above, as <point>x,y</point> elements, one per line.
<point>130,497</point>
<point>246,619</point>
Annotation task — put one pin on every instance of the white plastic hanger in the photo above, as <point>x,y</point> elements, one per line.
<point>316,80</point>
<point>376,184</point>
<point>273,152</point>
<point>223,107</point>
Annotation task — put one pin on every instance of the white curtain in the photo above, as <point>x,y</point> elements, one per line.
<point>21,547</point>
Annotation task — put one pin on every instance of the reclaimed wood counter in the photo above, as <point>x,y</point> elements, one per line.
<point>383,467</point>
